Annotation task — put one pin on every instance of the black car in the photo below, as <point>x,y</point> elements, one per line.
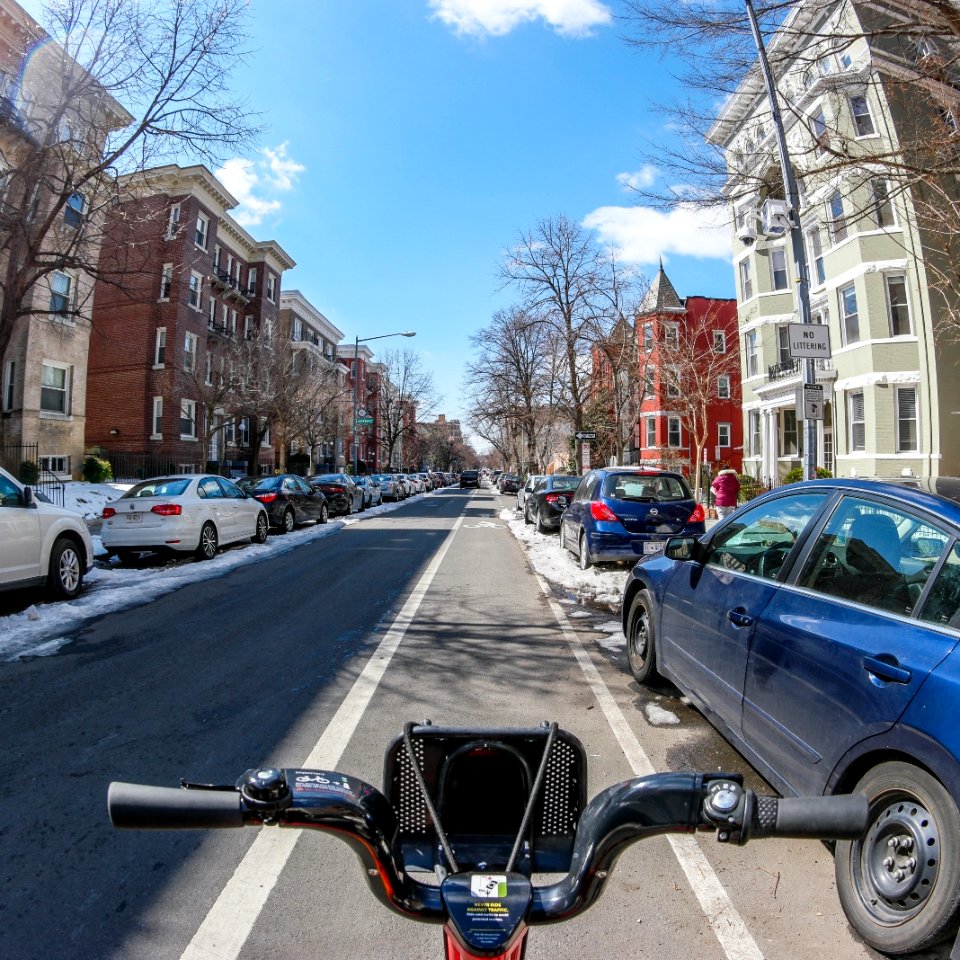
<point>342,494</point>
<point>549,498</point>
<point>289,499</point>
<point>509,483</point>
<point>469,478</point>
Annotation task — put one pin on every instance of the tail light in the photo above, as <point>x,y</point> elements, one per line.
<point>266,497</point>
<point>552,497</point>
<point>698,515</point>
<point>167,509</point>
<point>108,512</point>
<point>600,511</point>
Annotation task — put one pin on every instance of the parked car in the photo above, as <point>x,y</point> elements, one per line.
<point>621,513</point>
<point>550,497</point>
<point>372,496</point>
<point>191,514</point>
<point>41,544</point>
<point>407,486</point>
<point>509,483</point>
<point>389,486</point>
<point>289,499</point>
<point>342,493</point>
<point>469,478</point>
<point>817,628</point>
<point>528,485</point>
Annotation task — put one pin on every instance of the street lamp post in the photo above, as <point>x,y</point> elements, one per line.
<point>356,381</point>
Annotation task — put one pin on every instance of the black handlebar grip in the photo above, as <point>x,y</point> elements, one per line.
<point>842,817</point>
<point>136,806</point>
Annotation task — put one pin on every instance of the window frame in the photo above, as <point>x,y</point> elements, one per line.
<point>746,279</point>
<point>650,433</point>
<point>751,353</point>
<point>166,282</point>
<point>846,327</point>
<point>64,391</point>
<point>719,339</point>
<point>858,116</point>
<point>67,297</point>
<point>160,349</point>
<point>201,235</point>
<point>899,420</point>
<point>779,254</point>
<point>72,213</point>
<point>902,277</point>
<point>855,423</point>
<point>675,427</point>
<point>724,387</point>
<point>724,429</point>
<point>188,415</point>
<point>156,420</point>
<point>9,384</point>
<point>173,221</point>
<point>195,294</point>
<point>837,218</point>
<point>191,347</point>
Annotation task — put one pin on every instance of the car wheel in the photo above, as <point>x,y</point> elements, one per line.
<point>207,547</point>
<point>289,521</point>
<point>65,573</point>
<point>324,513</point>
<point>585,560</point>
<point>641,639</point>
<point>526,515</point>
<point>563,540</point>
<point>541,527</point>
<point>263,528</point>
<point>900,884</point>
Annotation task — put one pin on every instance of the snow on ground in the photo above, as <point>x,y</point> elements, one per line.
<point>658,717</point>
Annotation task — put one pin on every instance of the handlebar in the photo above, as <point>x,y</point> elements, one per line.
<point>362,817</point>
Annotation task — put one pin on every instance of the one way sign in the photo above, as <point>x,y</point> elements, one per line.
<point>586,435</point>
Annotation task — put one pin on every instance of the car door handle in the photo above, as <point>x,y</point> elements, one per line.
<point>739,617</point>
<point>883,668</point>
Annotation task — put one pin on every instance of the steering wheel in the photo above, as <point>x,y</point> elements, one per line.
<point>771,561</point>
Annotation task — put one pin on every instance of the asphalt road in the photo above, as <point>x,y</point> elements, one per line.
<point>252,669</point>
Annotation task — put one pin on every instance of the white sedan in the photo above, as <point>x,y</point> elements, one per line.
<point>191,514</point>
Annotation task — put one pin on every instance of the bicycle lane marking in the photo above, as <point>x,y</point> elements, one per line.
<point>726,923</point>
<point>225,929</point>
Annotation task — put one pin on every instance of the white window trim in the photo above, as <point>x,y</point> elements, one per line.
<point>173,221</point>
<point>724,377</point>
<point>157,416</point>
<point>720,430</point>
<point>166,280</point>
<point>721,337</point>
<point>782,252</point>
<point>9,383</point>
<point>65,414</point>
<point>202,218</point>
<point>186,404</point>
<point>671,420</point>
<point>886,292</point>
<point>271,288</point>
<point>198,306</point>
<point>161,338</point>
<point>191,347</point>
<point>896,416</point>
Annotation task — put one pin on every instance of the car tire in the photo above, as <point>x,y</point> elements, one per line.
<point>324,514</point>
<point>263,528</point>
<point>209,542</point>
<point>541,527</point>
<point>563,539</point>
<point>289,521</point>
<point>897,905</point>
<point>584,557</point>
<point>526,515</point>
<point>124,556</point>
<point>641,639</point>
<point>65,572</point>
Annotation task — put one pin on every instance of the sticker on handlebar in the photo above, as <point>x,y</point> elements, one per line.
<point>322,781</point>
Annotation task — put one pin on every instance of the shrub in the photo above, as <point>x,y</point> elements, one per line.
<point>796,474</point>
<point>96,469</point>
<point>29,472</point>
<point>750,487</point>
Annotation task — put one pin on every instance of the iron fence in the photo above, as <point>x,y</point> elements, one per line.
<point>23,461</point>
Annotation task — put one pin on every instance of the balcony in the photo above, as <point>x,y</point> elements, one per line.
<point>791,368</point>
<point>224,283</point>
<point>220,330</point>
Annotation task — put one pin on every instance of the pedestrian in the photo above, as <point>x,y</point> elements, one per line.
<point>726,489</point>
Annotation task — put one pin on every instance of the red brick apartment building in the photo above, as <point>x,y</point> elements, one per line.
<point>187,282</point>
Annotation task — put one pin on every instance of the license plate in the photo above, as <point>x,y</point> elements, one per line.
<point>654,546</point>
<point>134,517</point>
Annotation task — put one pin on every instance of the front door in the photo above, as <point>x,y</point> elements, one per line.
<point>19,535</point>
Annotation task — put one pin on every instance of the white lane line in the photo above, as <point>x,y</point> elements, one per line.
<point>226,927</point>
<point>727,924</point>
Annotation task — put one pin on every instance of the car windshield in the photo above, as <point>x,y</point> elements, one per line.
<point>644,487</point>
<point>258,484</point>
<point>167,487</point>
<point>328,478</point>
<point>565,483</point>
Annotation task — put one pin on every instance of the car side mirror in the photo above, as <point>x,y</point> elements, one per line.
<point>684,548</point>
<point>28,496</point>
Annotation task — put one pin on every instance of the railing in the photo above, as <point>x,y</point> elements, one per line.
<point>791,368</point>
<point>224,281</point>
<point>23,461</point>
<point>51,486</point>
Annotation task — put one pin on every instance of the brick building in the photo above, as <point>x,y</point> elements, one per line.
<point>188,287</point>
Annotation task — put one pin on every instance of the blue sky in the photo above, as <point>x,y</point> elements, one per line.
<point>409,141</point>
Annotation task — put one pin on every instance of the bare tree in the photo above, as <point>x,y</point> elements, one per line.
<point>406,392</point>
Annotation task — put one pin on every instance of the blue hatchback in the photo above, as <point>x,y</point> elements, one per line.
<point>817,628</point>
<point>622,513</point>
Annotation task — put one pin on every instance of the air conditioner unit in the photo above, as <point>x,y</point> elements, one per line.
<point>775,218</point>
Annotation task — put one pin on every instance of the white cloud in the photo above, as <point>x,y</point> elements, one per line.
<point>641,234</point>
<point>644,177</point>
<point>256,183</point>
<point>574,18</point>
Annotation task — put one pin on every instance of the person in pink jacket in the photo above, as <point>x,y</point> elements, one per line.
<point>726,489</point>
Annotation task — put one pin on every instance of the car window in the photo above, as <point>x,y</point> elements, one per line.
<point>158,488</point>
<point>942,605</point>
<point>760,538</point>
<point>874,554</point>
<point>645,488</point>
<point>303,486</point>
<point>230,489</point>
<point>209,489</point>
<point>9,493</point>
<point>289,485</point>
<point>566,483</point>
<point>586,487</point>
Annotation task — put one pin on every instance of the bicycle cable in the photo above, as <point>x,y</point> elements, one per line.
<point>534,791</point>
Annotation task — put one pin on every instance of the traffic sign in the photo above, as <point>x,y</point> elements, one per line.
<point>586,435</point>
<point>364,421</point>
<point>810,402</point>
<point>808,341</point>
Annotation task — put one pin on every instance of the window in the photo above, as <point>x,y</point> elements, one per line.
<point>196,289</point>
<point>188,419</point>
<point>243,432</point>
<point>650,425</point>
<point>815,247</point>
<point>252,281</point>
<point>248,327</point>
<point>9,382</point>
<point>157,418</point>
<point>898,309</point>
<point>790,441</point>
<point>233,322</point>
<point>723,387</point>
<point>297,329</point>
<point>837,221</point>
<point>723,434</point>
<point>648,337</point>
<point>673,432</point>
<point>750,351</point>
<point>208,370</point>
<point>56,464</point>
<point>671,334</point>
<point>649,383</point>
<point>160,348</point>
<point>754,427</point>
<point>784,360</point>
<point>941,606</point>
<point>850,325</point>
<point>203,227</point>
<point>271,287</point>
<point>746,280</point>
<point>229,433</point>
<point>673,381</point>
<point>907,436</point>
<point>216,256</point>
<point>719,341</point>
<point>190,353</point>
<point>73,210</point>
<point>61,289</point>
<point>818,126</point>
<point>174,221</point>
<point>211,314</point>
<point>858,427</point>
<point>778,268</point>
<point>861,116</point>
<point>882,204</point>
<point>166,281</point>
<point>55,388</point>
<point>949,120</point>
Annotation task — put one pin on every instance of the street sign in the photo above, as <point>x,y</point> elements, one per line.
<point>364,421</point>
<point>586,435</point>
<point>810,402</point>
<point>808,341</point>
<point>585,458</point>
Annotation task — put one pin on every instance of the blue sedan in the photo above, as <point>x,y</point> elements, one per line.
<point>817,628</point>
<point>622,513</point>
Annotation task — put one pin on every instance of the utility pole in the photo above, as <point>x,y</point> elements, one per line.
<point>796,237</point>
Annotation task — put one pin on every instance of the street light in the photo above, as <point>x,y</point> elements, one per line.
<point>356,381</point>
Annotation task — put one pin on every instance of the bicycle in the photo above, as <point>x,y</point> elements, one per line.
<point>480,811</point>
